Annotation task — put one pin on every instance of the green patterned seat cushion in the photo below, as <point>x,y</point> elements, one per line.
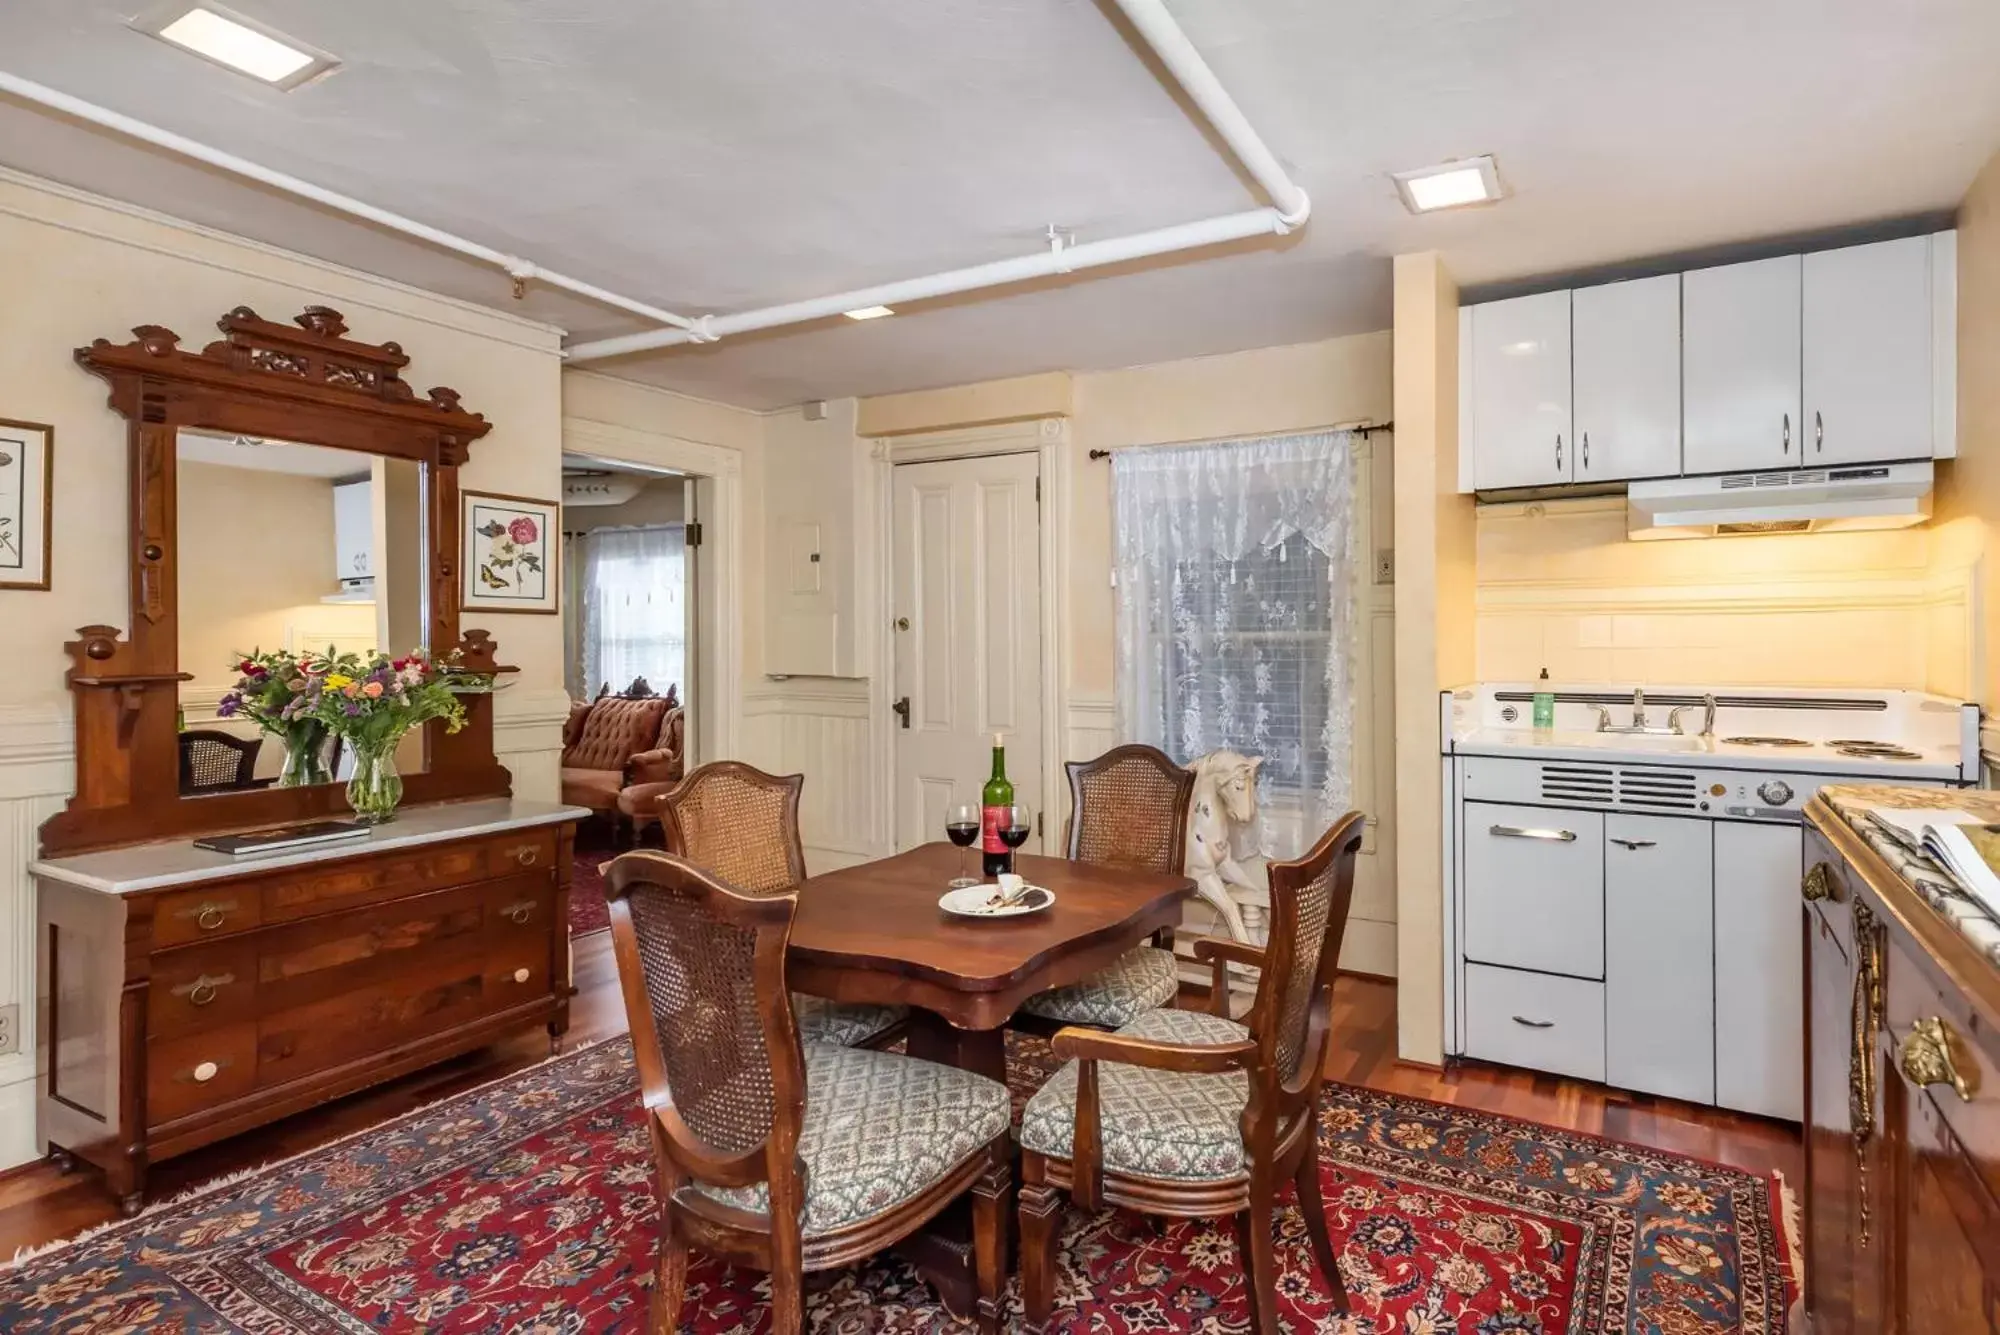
<point>879,1128</point>
<point>1138,981</point>
<point>841,1023</point>
<point>1159,1124</point>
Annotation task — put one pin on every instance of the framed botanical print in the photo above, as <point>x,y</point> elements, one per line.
<point>27,474</point>
<point>510,546</point>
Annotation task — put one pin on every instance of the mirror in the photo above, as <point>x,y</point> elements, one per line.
<point>285,547</point>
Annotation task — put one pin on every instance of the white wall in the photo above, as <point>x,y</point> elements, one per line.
<point>80,268</point>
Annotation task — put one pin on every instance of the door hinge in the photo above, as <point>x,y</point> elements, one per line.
<point>1038,491</point>
<point>694,533</point>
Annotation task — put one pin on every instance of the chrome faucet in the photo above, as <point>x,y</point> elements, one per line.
<point>1638,709</point>
<point>1707,708</point>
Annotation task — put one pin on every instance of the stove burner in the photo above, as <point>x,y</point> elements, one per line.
<point>1764,741</point>
<point>1874,750</point>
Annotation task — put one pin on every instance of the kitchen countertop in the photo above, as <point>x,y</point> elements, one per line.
<point>177,862</point>
<point>1851,802</point>
<point>1666,749</point>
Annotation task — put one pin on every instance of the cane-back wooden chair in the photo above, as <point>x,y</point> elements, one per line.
<point>1128,808</point>
<point>786,1156</point>
<point>743,825</point>
<point>1192,1114</point>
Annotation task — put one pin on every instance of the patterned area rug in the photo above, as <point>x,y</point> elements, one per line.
<point>527,1206</point>
<point>587,910</point>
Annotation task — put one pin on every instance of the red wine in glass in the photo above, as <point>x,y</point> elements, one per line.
<point>961,826</point>
<point>1015,829</point>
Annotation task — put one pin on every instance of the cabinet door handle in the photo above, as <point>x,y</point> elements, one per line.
<point>1788,433</point>
<point>1635,843</point>
<point>1518,832</point>
<point>1559,452</point>
<point>1819,434</point>
<point>1586,450</point>
<point>1534,1024</point>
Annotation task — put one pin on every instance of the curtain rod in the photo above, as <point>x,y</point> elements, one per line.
<point>1362,429</point>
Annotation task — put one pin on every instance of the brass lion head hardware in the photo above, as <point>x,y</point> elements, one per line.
<point>1930,1057</point>
<point>1819,883</point>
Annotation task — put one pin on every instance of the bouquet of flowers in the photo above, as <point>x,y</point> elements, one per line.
<point>372,701</point>
<point>270,691</point>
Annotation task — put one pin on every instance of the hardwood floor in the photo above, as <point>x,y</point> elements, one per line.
<point>38,1204</point>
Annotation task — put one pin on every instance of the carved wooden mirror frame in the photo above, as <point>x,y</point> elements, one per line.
<point>307,384</point>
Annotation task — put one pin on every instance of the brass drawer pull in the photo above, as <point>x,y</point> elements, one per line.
<point>525,854</point>
<point>1928,1058</point>
<point>203,1072</point>
<point>521,975</point>
<point>519,913</point>
<point>202,990</point>
<point>1818,884</point>
<point>209,915</point>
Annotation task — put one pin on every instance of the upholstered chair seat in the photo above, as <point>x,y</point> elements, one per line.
<point>743,825</point>
<point>1128,808</point>
<point>614,747</point>
<point>879,1128</point>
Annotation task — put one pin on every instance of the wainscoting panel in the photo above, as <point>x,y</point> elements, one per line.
<point>36,778</point>
<point>821,727</point>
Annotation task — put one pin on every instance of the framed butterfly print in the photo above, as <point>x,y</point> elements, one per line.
<point>510,546</point>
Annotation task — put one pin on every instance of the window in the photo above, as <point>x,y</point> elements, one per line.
<point>635,608</point>
<point>1235,600</point>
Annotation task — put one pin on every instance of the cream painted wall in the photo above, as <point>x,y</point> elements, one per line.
<point>1262,392</point>
<point>80,268</point>
<point>1434,629</point>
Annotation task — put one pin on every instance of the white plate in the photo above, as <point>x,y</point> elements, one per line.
<point>971,902</point>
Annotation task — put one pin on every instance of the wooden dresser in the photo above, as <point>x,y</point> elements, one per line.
<point>189,996</point>
<point>1902,1190</point>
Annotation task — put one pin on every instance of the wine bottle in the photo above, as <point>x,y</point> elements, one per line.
<point>994,801</point>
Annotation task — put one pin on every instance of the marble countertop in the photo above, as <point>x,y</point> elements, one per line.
<point>177,862</point>
<point>1851,803</point>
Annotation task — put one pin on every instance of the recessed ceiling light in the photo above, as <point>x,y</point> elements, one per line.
<point>868,313</point>
<point>1450,185</point>
<point>215,34</point>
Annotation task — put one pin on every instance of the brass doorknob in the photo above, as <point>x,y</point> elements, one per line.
<point>1929,1058</point>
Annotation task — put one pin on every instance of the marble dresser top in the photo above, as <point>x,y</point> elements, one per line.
<point>177,862</point>
<point>1851,803</point>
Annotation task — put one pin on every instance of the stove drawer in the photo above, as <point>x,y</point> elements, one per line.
<point>1535,1020</point>
<point>1534,888</point>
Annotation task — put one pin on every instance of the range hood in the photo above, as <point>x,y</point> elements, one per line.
<point>1802,500</point>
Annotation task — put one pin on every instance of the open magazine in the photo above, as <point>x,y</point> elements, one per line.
<point>1958,842</point>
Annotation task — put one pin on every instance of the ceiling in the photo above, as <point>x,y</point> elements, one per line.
<point>714,155</point>
<point>270,456</point>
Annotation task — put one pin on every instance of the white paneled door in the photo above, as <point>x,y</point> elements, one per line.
<point>968,617</point>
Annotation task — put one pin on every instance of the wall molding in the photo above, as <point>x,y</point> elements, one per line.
<point>416,304</point>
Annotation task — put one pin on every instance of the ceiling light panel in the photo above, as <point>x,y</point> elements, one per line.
<point>216,35</point>
<point>869,313</point>
<point>1449,185</point>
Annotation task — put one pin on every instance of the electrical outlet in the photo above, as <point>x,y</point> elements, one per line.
<point>1385,565</point>
<point>10,1029</point>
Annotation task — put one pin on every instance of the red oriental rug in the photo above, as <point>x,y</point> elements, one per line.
<point>587,910</point>
<point>527,1206</point>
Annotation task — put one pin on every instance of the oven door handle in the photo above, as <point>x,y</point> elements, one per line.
<point>1523,832</point>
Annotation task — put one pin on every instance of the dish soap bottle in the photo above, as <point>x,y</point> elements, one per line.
<point>1545,704</point>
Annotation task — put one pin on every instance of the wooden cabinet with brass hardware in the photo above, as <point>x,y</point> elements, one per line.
<point>179,1014</point>
<point>1902,1191</point>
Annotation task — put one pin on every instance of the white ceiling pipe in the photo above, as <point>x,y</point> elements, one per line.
<point>29,91</point>
<point>1178,54</point>
<point>1041,264</point>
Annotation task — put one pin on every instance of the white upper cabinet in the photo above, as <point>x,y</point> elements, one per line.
<point>1515,417</point>
<point>353,530</point>
<point>1626,369</point>
<point>1740,358</point>
<point>1867,326</point>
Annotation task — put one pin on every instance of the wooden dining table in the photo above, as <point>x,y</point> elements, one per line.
<point>874,933</point>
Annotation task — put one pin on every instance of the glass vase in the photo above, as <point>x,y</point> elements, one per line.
<point>375,787</point>
<point>305,756</point>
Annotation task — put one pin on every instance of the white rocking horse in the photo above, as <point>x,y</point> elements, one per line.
<point>1225,798</point>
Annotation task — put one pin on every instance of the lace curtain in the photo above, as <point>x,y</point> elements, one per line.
<point>634,608</point>
<point>1235,576</point>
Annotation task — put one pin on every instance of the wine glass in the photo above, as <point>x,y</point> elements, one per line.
<point>961,826</point>
<point>1016,824</point>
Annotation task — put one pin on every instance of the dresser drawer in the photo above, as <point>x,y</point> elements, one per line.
<point>521,905</point>
<point>196,1071</point>
<point>202,987</point>
<point>303,963</point>
<point>1534,888</point>
<point>1921,1014</point>
<point>201,914</point>
<point>305,894</point>
<point>1536,1020</point>
<point>327,1030</point>
<point>528,850</point>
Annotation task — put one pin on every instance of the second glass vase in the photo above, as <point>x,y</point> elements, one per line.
<point>376,787</point>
